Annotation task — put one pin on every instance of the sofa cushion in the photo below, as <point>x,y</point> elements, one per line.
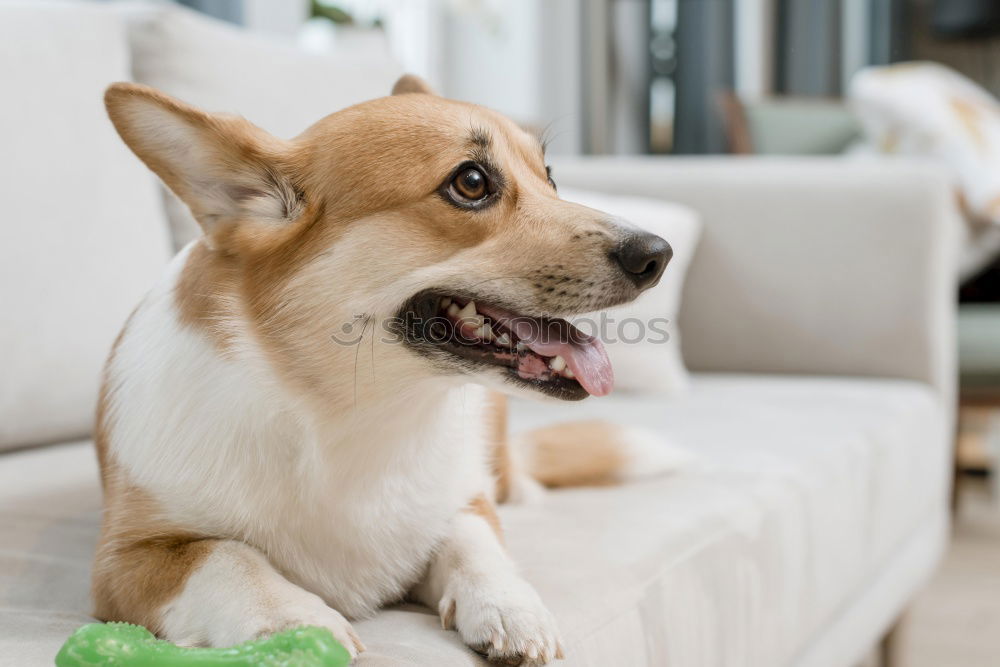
<point>642,337</point>
<point>807,486</point>
<point>219,67</point>
<point>807,491</point>
<point>82,232</point>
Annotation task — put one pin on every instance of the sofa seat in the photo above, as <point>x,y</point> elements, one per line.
<point>802,489</point>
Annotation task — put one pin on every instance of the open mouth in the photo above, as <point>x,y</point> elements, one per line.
<point>547,354</point>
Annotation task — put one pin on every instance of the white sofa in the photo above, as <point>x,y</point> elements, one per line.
<point>817,318</point>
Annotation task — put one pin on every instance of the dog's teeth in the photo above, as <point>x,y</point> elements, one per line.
<point>468,311</point>
<point>453,310</point>
<point>557,364</point>
<point>503,340</point>
<point>484,333</point>
<point>445,302</point>
<point>474,321</point>
<point>569,373</point>
<point>469,317</point>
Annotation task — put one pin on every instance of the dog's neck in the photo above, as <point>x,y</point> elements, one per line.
<point>378,410</point>
<point>370,397</point>
<point>396,425</point>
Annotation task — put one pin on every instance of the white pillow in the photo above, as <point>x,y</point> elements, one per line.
<point>219,67</point>
<point>642,337</point>
<point>82,232</point>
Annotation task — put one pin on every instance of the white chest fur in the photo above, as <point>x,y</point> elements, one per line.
<point>350,509</point>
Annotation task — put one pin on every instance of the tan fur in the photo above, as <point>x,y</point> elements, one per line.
<point>483,507</point>
<point>500,460</point>
<point>201,293</point>
<point>244,157</point>
<point>575,454</point>
<point>101,425</point>
<point>159,558</point>
<point>410,83</point>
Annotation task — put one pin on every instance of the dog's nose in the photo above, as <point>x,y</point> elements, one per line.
<point>643,256</point>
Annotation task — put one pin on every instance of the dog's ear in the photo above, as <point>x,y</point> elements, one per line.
<point>411,83</point>
<point>225,169</point>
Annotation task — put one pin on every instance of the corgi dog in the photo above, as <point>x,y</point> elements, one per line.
<point>303,420</point>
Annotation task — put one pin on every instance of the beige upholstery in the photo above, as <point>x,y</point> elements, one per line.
<point>808,265</point>
<point>802,499</point>
<point>82,233</point>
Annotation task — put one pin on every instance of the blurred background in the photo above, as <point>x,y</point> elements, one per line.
<point>646,76</point>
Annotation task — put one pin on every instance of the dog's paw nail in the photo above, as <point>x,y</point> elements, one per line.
<point>446,610</point>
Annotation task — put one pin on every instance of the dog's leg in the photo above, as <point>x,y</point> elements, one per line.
<point>207,593</point>
<point>474,586</point>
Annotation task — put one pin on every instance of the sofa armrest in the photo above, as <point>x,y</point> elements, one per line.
<point>821,266</point>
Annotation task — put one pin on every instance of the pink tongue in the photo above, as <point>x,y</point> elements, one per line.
<point>585,355</point>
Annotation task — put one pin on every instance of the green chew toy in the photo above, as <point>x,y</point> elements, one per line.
<point>127,645</point>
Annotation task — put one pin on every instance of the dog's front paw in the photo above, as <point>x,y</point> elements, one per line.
<point>503,618</point>
<point>307,612</point>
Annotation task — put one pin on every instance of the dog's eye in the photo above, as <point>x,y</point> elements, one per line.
<point>470,184</point>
